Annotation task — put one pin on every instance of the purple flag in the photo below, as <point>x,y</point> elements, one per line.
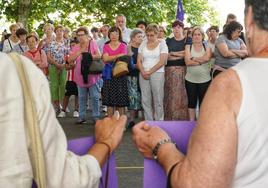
<point>180,11</point>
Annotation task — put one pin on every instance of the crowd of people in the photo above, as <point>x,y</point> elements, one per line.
<point>168,75</point>
<point>168,78</point>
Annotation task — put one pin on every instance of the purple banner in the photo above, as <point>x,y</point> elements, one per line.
<point>180,132</point>
<point>180,11</point>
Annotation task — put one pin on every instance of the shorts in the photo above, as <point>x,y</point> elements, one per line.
<point>71,88</point>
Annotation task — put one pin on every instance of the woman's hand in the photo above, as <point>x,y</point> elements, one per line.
<point>145,75</point>
<point>110,130</point>
<point>59,66</point>
<point>146,137</point>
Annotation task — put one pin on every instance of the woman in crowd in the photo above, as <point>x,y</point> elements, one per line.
<point>213,33</point>
<point>197,57</point>
<point>175,98</point>
<point>49,37</point>
<point>114,91</point>
<point>162,32</point>
<point>152,56</point>
<point>230,49</point>
<point>56,55</point>
<point>12,41</point>
<point>62,167</point>
<point>134,94</point>
<point>38,56</point>
<point>228,147</point>
<point>88,85</point>
<point>22,46</point>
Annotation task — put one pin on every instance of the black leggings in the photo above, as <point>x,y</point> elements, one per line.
<point>195,91</point>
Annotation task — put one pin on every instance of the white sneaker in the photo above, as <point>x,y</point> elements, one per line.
<point>62,114</point>
<point>75,114</point>
<point>67,109</point>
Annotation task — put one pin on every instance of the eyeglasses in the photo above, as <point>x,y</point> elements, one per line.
<point>80,35</point>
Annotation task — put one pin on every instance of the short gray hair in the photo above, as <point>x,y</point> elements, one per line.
<point>135,32</point>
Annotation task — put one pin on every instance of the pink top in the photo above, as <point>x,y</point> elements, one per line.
<point>39,58</point>
<point>122,49</point>
<point>78,78</point>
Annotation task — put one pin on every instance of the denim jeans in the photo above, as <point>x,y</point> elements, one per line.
<point>93,92</point>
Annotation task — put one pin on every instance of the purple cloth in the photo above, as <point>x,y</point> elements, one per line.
<point>180,132</point>
<point>81,146</point>
<point>180,11</point>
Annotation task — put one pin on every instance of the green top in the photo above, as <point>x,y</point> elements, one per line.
<point>198,73</point>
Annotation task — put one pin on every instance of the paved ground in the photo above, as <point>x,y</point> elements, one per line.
<point>129,160</point>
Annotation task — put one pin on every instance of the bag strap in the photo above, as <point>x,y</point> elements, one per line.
<point>32,126</point>
<point>10,44</point>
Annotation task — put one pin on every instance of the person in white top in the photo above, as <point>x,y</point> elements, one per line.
<point>228,147</point>
<point>12,41</point>
<point>121,21</point>
<point>152,56</point>
<point>64,168</point>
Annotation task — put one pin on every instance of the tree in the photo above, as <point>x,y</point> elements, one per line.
<point>87,12</point>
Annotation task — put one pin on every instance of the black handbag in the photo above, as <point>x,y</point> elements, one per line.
<point>96,66</point>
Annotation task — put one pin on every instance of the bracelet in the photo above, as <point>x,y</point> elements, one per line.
<point>106,174</point>
<point>170,173</point>
<point>161,142</point>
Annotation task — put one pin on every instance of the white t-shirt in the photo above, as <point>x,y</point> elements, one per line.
<point>252,123</point>
<point>64,168</point>
<point>151,57</point>
<point>126,35</point>
<point>9,45</point>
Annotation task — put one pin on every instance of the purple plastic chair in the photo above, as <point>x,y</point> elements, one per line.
<point>180,132</point>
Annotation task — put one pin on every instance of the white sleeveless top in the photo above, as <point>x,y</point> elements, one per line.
<point>252,121</point>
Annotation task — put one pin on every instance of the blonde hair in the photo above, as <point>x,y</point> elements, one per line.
<point>12,26</point>
<point>152,28</point>
<point>48,25</point>
<point>200,30</point>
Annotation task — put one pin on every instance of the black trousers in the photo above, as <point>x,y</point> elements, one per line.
<point>195,92</point>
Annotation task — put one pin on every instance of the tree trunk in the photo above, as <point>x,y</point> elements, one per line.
<point>24,11</point>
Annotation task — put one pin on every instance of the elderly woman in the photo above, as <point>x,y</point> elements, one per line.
<point>213,33</point>
<point>134,94</point>
<point>175,99</point>
<point>162,32</point>
<point>49,37</point>
<point>152,57</point>
<point>227,148</point>
<point>197,78</point>
<point>62,167</point>
<point>12,41</point>
<point>58,50</point>
<point>88,85</point>
<point>38,56</point>
<point>230,49</point>
<point>114,90</point>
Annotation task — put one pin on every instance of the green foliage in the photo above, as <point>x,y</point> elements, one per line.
<point>88,12</point>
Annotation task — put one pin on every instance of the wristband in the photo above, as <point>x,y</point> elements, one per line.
<point>161,142</point>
